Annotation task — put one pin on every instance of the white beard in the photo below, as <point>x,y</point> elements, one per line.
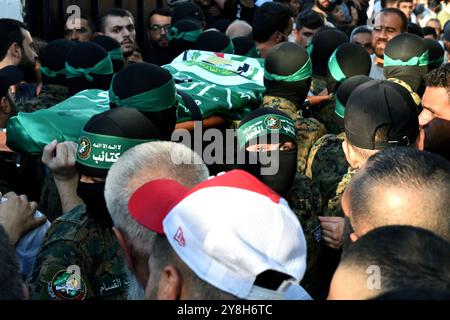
<point>135,289</point>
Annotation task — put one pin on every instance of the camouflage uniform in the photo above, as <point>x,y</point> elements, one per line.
<point>330,173</point>
<point>318,84</point>
<point>334,208</point>
<point>326,167</point>
<point>325,113</point>
<point>49,96</point>
<point>76,241</point>
<point>303,200</point>
<point>309,130</point>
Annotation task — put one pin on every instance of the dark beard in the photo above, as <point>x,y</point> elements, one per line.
<point>29,71</point>
<point>329,9</point>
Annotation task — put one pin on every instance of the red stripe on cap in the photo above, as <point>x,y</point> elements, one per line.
<point>151,203</point>
<point>239,179</point>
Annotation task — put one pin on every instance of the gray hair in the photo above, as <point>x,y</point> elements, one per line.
<point>138,166</point>
<point>239,28</point>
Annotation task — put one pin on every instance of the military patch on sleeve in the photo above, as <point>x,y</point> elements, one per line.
<point>68,285</point>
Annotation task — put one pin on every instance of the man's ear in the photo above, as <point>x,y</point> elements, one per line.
<point>420,142</point>
<point>126,247</point>
<point>274,38</point>
<point>350,155</point>
<point>96,34</point>
<point>170,284</point>
<point>15,51</point>
<point>5,107</point>
<point>280,37</point>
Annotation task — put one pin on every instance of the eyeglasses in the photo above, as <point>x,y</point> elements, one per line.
<point>157,28</point>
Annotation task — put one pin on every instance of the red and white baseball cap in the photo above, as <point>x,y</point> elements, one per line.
<point>228,230</point>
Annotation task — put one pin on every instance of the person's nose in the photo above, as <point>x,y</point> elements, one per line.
<point>382,34</point>
<point>424,118</point>
<point>126,33</point>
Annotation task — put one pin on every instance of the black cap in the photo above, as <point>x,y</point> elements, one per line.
<point>378,104</point>
<point>9,76</point>
<point>187,10</point>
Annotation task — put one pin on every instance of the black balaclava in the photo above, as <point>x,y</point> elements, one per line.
<point>146,78</point>
<point>406,59</point>
<point>343,93</point>
<point>114,49</point>
<point>260,124</point>
<point>53,61</point>
<point>245,46</point>
<point>84,56</point>
<point>347,61</point>
<point>435,54</point>
<point>181,37</point>
<point>214,41</point>
<point>322,47</point>
<point>103,140</point>
<point>283,62</point>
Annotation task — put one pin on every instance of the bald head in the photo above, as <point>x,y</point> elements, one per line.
<point>239,28</point>
<point>389,259</point>
<point>400,186</point>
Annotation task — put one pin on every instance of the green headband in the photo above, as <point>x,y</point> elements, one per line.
<point>335,70</point>
<point>436,62</point>
<point>413,62</point>
<point>52,74</point>
<point>304,73</point>
<point>190,36</point>
<point>229,49</point>
<point>340,109</point>
<point>154,100</point>
<point>101,152</point>
<point>104,67</point>
<point>267,124</point>
<point>116,54</point>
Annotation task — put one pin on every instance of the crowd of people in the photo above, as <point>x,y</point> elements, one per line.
<point>340,110</point>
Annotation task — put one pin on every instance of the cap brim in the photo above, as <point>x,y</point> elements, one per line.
<point>11,75</point>
<point>151,203</point>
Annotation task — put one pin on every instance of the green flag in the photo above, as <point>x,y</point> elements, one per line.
<point>223,84</point>
<point>31,132</point>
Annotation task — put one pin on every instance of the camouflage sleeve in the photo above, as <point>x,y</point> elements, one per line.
<point>59,273</point>
<point>334,208</point>
<point>61,270</point>
<point>304,201</point>
<point>309,131</point>
<point>312,155</point>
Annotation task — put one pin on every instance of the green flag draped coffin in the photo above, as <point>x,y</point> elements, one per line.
<point>31,132</point>
<point>221,84</point>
